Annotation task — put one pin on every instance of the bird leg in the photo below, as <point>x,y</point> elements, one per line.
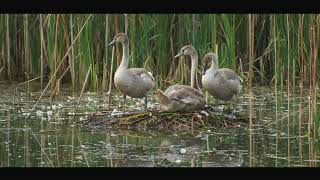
<point>207,98</point>
<point>232,106</point>
<point>145,103</point>
<point>217,102</point>
<point>124,101</point>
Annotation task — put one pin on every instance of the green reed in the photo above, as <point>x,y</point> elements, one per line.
<point>154,40</point>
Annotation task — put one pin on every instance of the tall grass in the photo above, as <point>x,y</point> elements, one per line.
<point>154,40</point>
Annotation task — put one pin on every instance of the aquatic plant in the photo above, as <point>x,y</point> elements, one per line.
<point>155,39</point>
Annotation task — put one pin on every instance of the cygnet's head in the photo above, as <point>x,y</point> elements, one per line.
<point>119,38</point>
<point>187,50</point>
<point>209,57</point>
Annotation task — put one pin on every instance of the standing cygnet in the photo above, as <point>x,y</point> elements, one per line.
<point>134,82</point>
<point>223,84</point>
<point>182,97</point>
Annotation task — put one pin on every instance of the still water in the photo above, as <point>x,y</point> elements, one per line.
<point>53,138</point>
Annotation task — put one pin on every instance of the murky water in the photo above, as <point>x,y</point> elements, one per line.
<point>51,136</point>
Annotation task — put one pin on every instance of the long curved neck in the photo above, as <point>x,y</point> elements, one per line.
<point>194,66</point>
<point>125,55</point>
<point>214,65</point>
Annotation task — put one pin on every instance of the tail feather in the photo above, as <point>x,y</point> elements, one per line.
<point>163,99</point>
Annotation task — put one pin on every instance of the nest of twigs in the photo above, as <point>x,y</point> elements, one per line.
<point>206,118</point>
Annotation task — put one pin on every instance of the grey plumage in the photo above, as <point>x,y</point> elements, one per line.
<point>134,82</point>
<point>182,97</point>
<point>222,84</point>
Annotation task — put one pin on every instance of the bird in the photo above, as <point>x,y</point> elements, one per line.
<point>182,97</point>
<point>133,82</point>
<point>223,84</point>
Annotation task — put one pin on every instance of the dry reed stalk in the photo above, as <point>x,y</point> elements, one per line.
<point>28,81</point>
<point>83,87</point>
<point>275,61</point>
<point>126,24</point>
<point>110,78</point>
<point>84,154</point>
<point>26,150</point>
<point>28,84</point>
<point>72,146</point>
<point>251,153</point>
<point>194,25</point>
<point>26,44</point>
<point>274,33</point>
<point>43,44</point>
<point>117,45</point>
<point>60,78</point>
<point>73,80</point>
<point>57,144</point>
<point>41,51</point>
<point>300,121</point>
<point>310,125</point>
<point>106,40</point>
<point>8,138</point>
<point>311,74</point>
<point>288,86</point>
<point>314,75</point>
<point>300,50</point>
<point>250,51</point>
<point>40,143</point>
<point>1,69</point>
<point>55,51</point>
<point>8,49</point>
<point>67,40</point>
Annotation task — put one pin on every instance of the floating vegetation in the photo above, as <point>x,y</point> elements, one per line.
<point>173,121</point>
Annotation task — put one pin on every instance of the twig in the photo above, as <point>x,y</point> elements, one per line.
<point>65,72</point>
<point>1,69</point>
<point>28,81</point>
<point>110,80</point>
<point>83,87</point>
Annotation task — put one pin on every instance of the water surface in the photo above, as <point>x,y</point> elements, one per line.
<point>52,138</point>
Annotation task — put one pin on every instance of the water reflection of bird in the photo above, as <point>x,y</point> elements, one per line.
<point>134,82</point>
<point>224,159</point>
<point>182,97</point>
<point>135,163</point>
<point>193,152</point>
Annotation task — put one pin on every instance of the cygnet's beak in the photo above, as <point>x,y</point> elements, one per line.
<point>204,69</point>
<point>179,54</point>
<point>112,43</point>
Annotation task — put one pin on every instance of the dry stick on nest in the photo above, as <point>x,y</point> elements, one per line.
<point>55,72</point>
<point>110,80</point>
<point>1,69</point>
<point>83,87</point>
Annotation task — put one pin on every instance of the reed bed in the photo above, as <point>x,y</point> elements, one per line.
<point>35,44</point>
<point>285,51</point>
